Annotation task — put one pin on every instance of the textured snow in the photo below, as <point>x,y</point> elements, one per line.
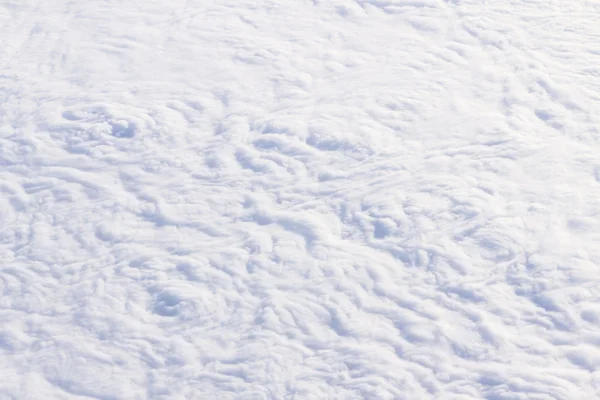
<point>293,199</point>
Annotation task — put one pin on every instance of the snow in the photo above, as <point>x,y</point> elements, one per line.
<point>293,199</point>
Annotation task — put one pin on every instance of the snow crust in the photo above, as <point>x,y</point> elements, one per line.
<point>293,199</point>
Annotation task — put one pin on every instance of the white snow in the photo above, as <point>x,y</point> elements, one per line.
<point>294,199</point>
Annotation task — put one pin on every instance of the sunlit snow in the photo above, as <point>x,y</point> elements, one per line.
<point>295,199</point>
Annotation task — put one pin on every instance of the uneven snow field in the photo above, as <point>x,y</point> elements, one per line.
<point>293,199</point>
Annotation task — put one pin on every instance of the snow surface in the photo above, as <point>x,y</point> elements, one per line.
<point>293,199</point>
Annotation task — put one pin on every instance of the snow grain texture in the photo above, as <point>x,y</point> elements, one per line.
<point>299,200</point>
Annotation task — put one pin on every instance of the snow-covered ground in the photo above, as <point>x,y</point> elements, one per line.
<point>294,199</point>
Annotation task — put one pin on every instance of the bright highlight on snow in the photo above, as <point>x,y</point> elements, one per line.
<point>294,199</point>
